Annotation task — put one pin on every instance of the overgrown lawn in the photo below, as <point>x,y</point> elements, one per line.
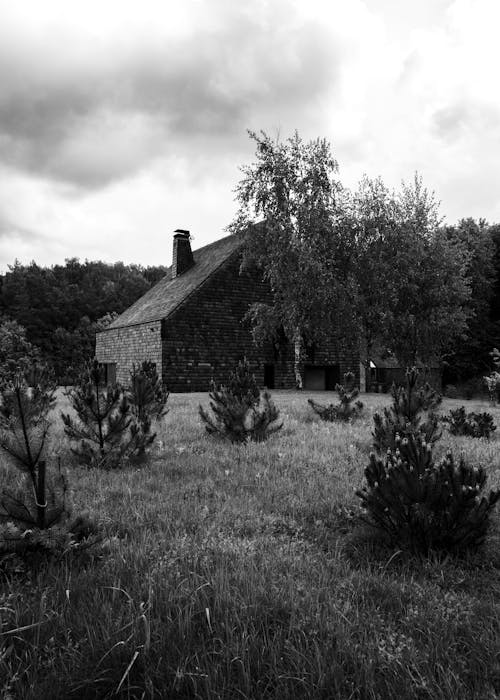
<point>243,572</point>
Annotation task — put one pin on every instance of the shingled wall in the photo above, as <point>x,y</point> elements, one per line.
<point>205,336</point>
<point>130,345</point>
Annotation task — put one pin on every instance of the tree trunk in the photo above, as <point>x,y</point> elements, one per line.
<point>297,345</point>
<point>41,503</point>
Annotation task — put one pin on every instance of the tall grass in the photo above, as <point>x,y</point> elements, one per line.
<point>240,572</point>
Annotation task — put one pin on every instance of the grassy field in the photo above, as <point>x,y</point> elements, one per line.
<point>242,572</point>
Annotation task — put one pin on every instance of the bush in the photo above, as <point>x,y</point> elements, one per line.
<point>413,411</point>
<point>472,424</point>
<point>423,506</point>
<point>36,515</point>
<point>241,412</point>
<point>347,408</point>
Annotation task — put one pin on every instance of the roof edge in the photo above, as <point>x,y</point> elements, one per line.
<point>236,250</point>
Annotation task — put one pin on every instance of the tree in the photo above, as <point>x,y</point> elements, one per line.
<point>471,357</point>
<point>292,187</point>
<point>240,411</point>
<point>412,290</point>
<point>101,425</point>
<point>16,353</point>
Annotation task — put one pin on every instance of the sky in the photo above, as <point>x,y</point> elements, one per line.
<point>121,121</point>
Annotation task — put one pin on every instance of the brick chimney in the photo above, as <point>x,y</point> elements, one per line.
<point>182,258</point>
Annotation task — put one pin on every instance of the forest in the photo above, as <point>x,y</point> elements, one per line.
<point>54,312</point>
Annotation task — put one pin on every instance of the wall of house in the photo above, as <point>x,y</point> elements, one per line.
<point>130,345</point>
<point>206,336</point>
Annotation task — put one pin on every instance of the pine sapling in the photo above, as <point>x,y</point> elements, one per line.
<point>422,505</point>
<point>476,425</point>
<point>240,412</point>
<point>147,398</point>
<point>102,422</point>
<point>24,427</point>
<point>413,411</point>
<point>37,514</point>
<point>348,406</point>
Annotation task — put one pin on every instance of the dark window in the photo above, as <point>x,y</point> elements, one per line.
<point>109,372</point>
<point>332,377</point>
<point>269,376</point>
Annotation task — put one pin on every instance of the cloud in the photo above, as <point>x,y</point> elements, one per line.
<point>91,111</point>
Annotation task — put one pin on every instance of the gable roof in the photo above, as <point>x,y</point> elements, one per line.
<point>162,299</point>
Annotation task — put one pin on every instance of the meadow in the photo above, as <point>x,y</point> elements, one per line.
<point>244,572</point>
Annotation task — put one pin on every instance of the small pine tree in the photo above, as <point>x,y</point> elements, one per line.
<point>413,411</point>
<point>102,422</point>
<point>347,408</point>
<point>37,515</point>
<point>24,427</point>
<point>241,413</point>
<point>423,506</point>
<point>471,424</point>
<point>147,398</point>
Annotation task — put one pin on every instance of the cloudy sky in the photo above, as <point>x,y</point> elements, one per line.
<point>123,120</point>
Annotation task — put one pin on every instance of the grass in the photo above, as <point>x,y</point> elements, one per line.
<point>241,572</point>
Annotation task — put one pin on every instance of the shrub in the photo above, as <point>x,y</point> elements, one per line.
<point>36,515</point>
<point>241,412</point>
<point>101,427</point>
<point>147,398</point>
<point>450,391</point>
<point>472,424</point>
<point>347,408</point>
<point>492,382</point>
<point>423,506</point>
<point>412,412</point>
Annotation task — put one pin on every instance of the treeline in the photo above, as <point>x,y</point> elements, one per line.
<point>471,357</point>
<point>57,310</point>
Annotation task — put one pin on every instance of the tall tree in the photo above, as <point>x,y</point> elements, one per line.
<point>293,190</point>
<point>471,357</point>
<point>412,289</point>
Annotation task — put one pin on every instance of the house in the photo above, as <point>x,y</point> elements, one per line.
<point>386,370</point>
<point>192,325</point>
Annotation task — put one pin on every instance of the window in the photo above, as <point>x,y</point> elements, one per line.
<point>108,372</point>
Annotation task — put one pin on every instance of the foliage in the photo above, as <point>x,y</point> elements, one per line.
<point>70,297</point>
<point>37,515</point>
<point>347,408</point>
<point>292,185</point>
<point>74,347</point>
<point>23,532</point>
<point>422,505</point>
<point>241,411</point>
<point>24,413</point>
<point>16,353</point>
<point>413,411</point>
<point>147,399</point>
<point>469,358</point>
<point>472,424</point>
<point>102,421</point>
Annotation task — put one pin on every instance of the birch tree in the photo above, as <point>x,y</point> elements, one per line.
<point>292,188</point>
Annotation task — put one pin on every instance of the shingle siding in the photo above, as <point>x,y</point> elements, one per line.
<point>130,345</point>
<point>206,335</point>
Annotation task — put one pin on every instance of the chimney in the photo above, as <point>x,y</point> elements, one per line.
<point>182,258</point>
